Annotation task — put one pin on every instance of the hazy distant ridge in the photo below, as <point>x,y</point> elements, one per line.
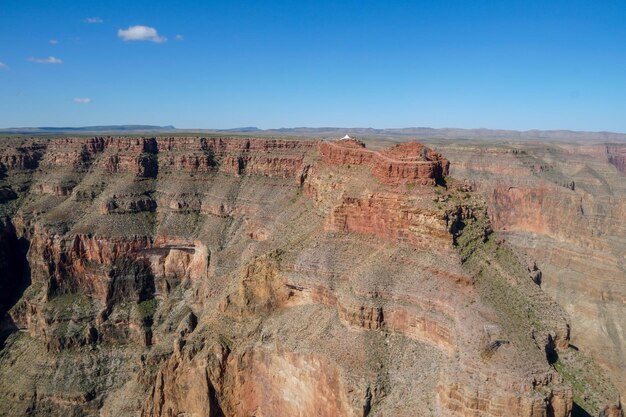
<point>416,132</point>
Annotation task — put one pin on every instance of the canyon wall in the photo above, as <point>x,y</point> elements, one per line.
<point>564,207</point>
<point>268,277</point>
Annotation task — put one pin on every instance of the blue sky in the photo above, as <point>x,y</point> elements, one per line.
<point>494,64</point>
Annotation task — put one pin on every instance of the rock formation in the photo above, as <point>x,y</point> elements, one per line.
<point>269,277</point>
<point>617,156</point>
<point>563,206</point>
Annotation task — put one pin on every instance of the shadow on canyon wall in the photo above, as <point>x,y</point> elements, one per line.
<point>578,411</point>
<point>14,275</point>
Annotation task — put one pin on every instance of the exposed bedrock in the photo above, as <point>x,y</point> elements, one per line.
<point>410,162</point>
<point>260,277</point>
<point>575,234</point>
<point>617,156</point>
<point>257,381</point>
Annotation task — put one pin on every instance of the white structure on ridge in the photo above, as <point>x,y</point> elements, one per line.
<point>346,137</point>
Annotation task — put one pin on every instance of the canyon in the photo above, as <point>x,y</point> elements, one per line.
<point>232,276</point>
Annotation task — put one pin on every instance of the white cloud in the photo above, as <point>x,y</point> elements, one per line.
<point>53,42</point>
<point>93,20</point>
<point>140,33</point>
<point>49,60</point>
<point>3,66</point>
<point>85,100</point>
<point>179,37</point>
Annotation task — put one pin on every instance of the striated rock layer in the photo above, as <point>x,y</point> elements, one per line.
<point>563,206</point>
<point>266,277</point>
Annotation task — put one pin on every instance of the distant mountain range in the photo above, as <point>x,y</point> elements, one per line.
<point>329,132</point>
<point>86,129</point>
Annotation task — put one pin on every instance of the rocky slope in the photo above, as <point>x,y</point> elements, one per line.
<point>268,277</point>
<point>563,206</point>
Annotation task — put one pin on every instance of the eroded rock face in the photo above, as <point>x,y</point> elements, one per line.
<point>564,206</point>
<point>254,277</point>
<point>390,217</point>
<point>405,163</point>
<point>617,156</point>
